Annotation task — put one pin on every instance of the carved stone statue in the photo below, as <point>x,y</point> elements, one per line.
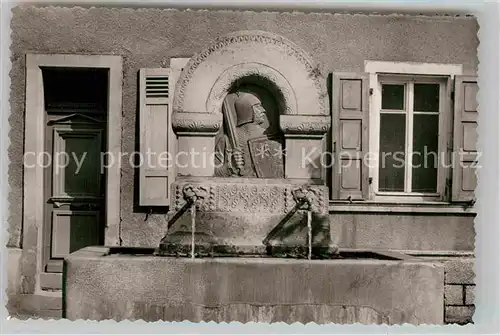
<point>249,147</point>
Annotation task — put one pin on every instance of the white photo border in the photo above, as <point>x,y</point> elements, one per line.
<point>487,222</point>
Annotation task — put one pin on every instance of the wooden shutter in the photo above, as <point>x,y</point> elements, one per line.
<point>156,137</point>
<point>464,139</point>
<point>350,105</point>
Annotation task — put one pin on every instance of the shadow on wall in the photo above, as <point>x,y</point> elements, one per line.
<point>316,162</point>
<point>328,137</point>
<point>294,230</point>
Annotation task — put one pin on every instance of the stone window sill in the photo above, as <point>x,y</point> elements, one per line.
<point>386,207</point>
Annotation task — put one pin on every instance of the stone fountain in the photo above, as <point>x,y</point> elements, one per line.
<point>248,236</point>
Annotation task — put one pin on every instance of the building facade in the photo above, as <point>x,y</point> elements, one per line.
<point>395,83</point>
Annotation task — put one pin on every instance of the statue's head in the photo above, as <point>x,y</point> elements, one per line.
<point>249,109</point>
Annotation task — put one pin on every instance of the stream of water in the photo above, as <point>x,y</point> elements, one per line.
<point>309,233</point>
<point>193,227</point>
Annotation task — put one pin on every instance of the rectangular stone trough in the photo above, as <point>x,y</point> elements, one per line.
<point>367,287</point>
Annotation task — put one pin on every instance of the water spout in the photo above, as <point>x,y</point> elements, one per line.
<point>302,196</point>
<point>193,196</point>
<point>309,232</point>
<point>189,203</point>
<point>193,227</point>
<point>303,202</point>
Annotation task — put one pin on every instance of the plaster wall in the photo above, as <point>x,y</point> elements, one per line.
<point>403,231</point>
<point>150,37</point>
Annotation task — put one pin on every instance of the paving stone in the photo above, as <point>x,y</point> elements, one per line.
<point>470,296</point>
<point>33,302</point>
<point>460,271</point>
<point>453,295</point>
<point>459,314</point>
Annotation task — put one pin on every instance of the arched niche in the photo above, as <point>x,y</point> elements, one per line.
<point>252,74</point>
<point>265,59</point>
<point>274,101</point>
<point>200,88</point>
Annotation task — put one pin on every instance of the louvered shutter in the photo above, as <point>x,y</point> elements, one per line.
<point>350,103</point>
<point>464,139</point>
<point>156,137</point>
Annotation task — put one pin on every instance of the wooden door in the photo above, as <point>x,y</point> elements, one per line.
<point>74,184</point>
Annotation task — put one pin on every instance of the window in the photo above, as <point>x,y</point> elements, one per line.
<point>404,133</point>
<point>411,154</point>
<point>410,130</point>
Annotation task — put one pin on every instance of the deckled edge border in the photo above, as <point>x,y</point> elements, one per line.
<point>486,223</point>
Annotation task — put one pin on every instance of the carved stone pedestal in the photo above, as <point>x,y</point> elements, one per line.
<point>256,103</point>
<point>236,216</point>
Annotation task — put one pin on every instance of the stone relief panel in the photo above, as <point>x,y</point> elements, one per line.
<point>252,198</point>
<point>250,144</point>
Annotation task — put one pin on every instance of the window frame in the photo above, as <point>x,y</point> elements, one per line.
<point>399,72</point>
<point>409,82</point>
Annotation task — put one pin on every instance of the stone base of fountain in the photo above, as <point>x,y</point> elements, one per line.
<point>221,250</point>
<point>179,245</point>
<point>358,286</point>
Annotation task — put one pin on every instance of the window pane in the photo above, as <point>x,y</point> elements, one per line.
<point>392,152</point>
<point>425,153</point>
<point>393,96</point>
<point>426,98</point>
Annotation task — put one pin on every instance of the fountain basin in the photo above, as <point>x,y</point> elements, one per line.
<point>361,286</point>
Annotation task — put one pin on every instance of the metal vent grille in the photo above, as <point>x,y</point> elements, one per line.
<point>157,87</point>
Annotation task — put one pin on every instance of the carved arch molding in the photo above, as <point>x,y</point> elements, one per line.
<point>209,75</point>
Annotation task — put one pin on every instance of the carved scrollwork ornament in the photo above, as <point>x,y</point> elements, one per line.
<point>196,123</point>
<point>272,199</point>
<point>288,48</point>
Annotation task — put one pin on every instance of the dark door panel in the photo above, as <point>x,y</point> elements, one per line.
<point>75,185</point>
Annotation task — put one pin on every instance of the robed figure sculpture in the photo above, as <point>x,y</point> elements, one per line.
<point>248,147</point>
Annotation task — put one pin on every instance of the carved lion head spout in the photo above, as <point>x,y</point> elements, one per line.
<point>195,194</point>
<point>306,197</point>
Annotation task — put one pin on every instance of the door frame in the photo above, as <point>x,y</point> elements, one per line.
<point>33,195</point>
